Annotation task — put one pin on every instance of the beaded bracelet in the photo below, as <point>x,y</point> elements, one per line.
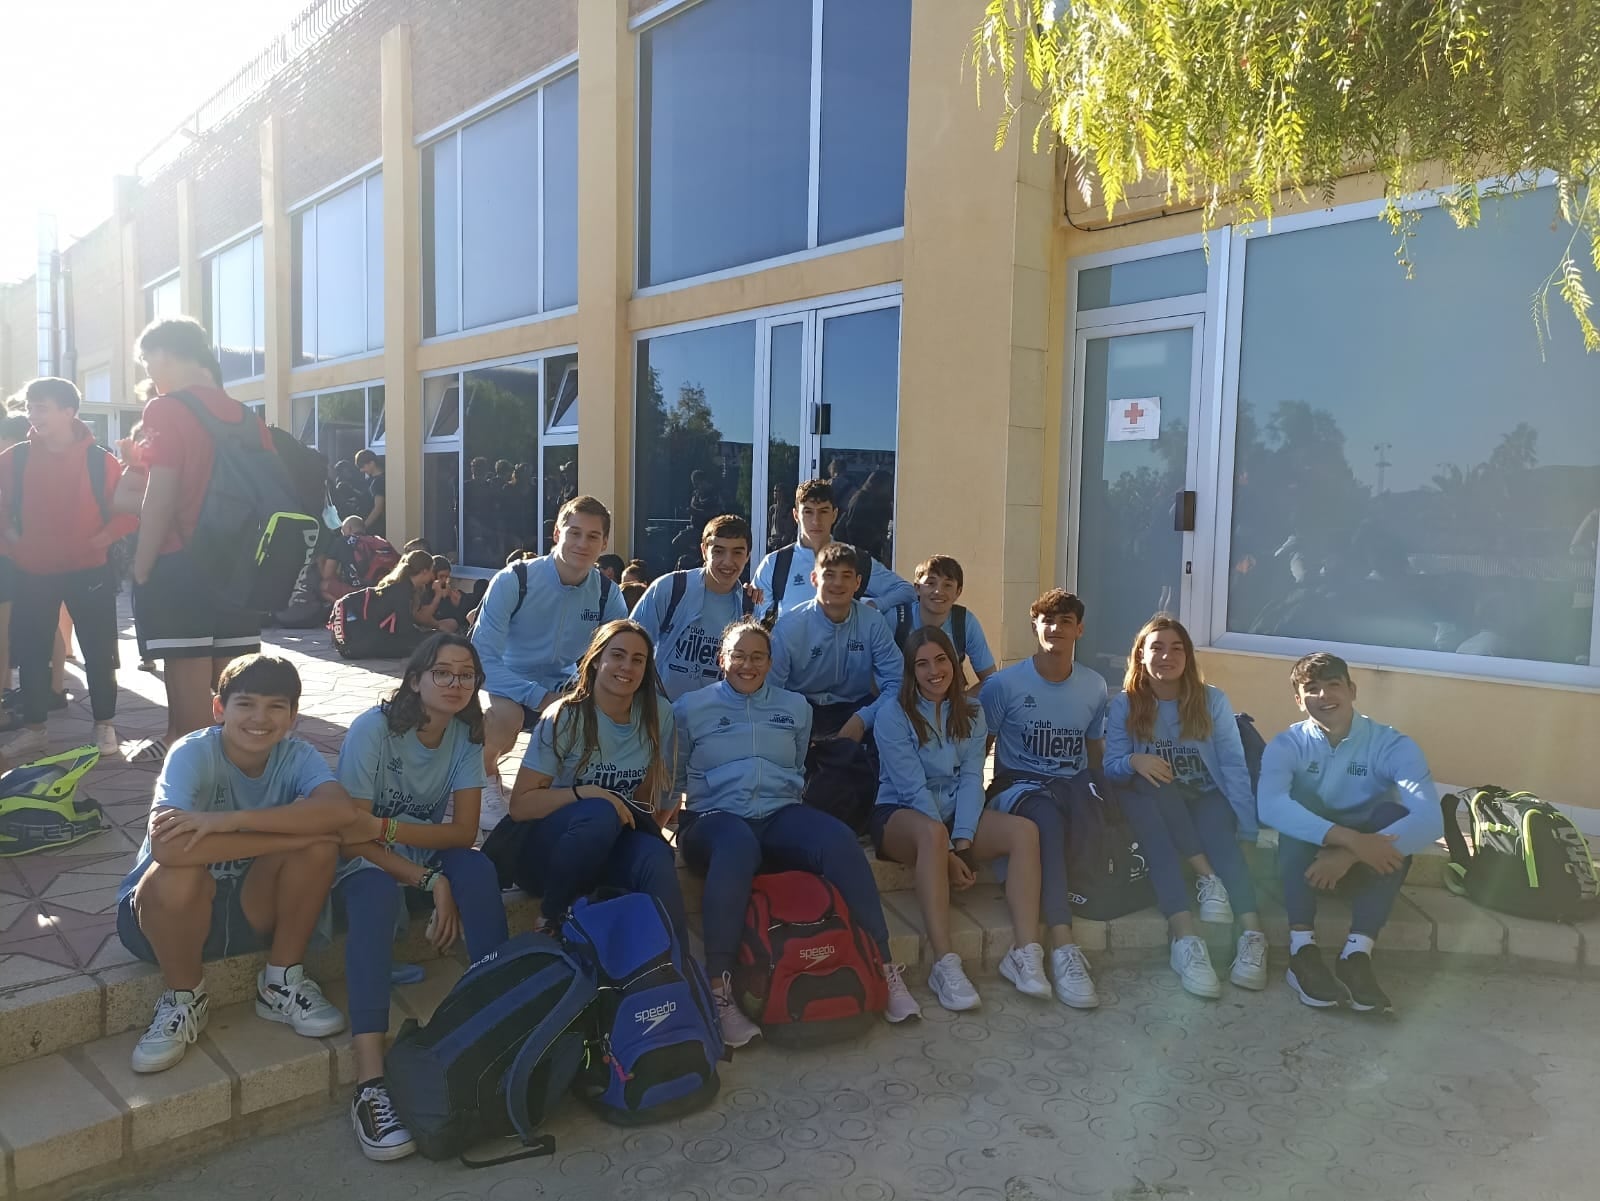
<point>391,830</point>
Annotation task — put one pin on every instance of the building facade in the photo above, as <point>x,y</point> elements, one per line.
<point>778,239</point>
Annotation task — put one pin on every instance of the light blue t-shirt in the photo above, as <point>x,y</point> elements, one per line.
<point>618,764</point>
<point>1042,730</point>
<point>404,779</point>
<point>197,776</point>
<point>978,652</point>
<point>686,650</point>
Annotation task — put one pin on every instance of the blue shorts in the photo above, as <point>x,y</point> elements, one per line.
<point>231,932</point>
<point>878,822</point>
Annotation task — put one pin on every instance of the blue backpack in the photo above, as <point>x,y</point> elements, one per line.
<point>656,1041</point>
<point>502,1048</point>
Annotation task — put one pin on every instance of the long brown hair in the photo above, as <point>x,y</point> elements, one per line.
<point>1194,710</point>
<point>959,710</point>
<point>576,714</point>
<point>411,563</point>
<point>403,708</point>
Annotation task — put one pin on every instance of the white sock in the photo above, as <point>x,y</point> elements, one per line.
<point>1301,938</point>
<point>1356,944</point>
<point>278,976</point>
<point>195,993</point>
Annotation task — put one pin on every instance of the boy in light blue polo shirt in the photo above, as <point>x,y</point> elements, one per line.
<point>784,576</point>
<point>938,582</point>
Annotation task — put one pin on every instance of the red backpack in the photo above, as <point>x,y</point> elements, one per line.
<point>371,558</point>
<point>806,972</point>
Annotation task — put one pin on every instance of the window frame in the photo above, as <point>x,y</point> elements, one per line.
<point>149,290</point>
<point>306,210</point>
<point>254,237</point>
<point>316,395</point>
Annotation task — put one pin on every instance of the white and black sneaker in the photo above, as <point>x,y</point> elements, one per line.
<point>298,1003</point>
<point>179,1018</point>
<point>379,1130</point>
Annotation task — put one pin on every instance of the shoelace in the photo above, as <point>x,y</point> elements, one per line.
<point>891,975</point>
<point>1211,889</point>
<point>1033,960</point>
<point>384,1118</point>
<point>173,1018</point>
<point>1253,951</point>
<point>1072,964</point>
<point>1194,952</point>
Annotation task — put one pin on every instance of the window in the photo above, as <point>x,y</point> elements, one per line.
<point>733,167</point>
<point>97,387</point>
<point>342,422</point>
<point>500,214</point>
<point>1408,471</point>
<point>1181,274</point>
<point>499,456</point>
<point>338,266</point>
<point>162,300</point>
<point>231,290</point>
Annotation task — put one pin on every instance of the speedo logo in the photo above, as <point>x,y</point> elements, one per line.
<point>655,1015</point>
<point>817,954</point>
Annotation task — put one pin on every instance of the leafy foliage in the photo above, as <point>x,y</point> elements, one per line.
<point>1236,102</point>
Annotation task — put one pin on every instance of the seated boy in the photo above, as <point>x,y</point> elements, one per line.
<point>685,612</point>
<point>783,574</point>
<point>1352,801</point>
<point>938,581</point>
<point>1048,717</point>
<point>244,835</point>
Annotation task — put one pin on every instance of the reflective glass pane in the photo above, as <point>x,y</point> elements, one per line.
<point>561,193</point>
<point>500,215</point>
<point>1182,274</point>
<point>785,381</point>
<point>375,399</point>
<point>305,419</point>
<point>866,67</point>
<point>441,502</point>
<point>233,316</point>
<point>303,235</point>
<point>97,387</point>
<point>341,423</point>
<point>500,499</point>
<point>694,431</point>
<point>258,306</point>
<point>99,425</point>
<point>561,393</point>
<point>724,143</point>
<point>375,262</point>
<point>441,407</point>
<point>163,300</point>
<point>1410,470</point>
<point>860,403</point>
<point>559,482</point>
<point>441,231</point>
<point>341,275</point>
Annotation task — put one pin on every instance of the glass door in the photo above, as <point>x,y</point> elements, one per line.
<point>781,393</point>
<point>1131,551</point>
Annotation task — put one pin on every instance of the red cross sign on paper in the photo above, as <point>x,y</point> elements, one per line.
<point>1133,412</point>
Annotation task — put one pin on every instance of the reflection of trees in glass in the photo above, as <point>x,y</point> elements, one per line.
<point>501,509</point>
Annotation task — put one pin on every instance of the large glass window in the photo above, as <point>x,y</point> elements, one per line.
<point>732,169</point>
<point>1410,470</point>
<point>857,422</point>
<point>341,422</point>
<point>500,217</point>
<point>336,280</point>
<point>231,285</point>
<point>162,300</point>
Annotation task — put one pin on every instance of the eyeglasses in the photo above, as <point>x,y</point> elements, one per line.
<point>443,677</point>
<point>742,659</point>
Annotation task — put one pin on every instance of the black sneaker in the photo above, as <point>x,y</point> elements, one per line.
<point>379,1130</point>
<point>1356,974</point>
<point>12,699</point>
<point>1311,980</point>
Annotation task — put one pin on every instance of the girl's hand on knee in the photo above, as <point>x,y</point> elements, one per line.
<point>445,927</point>
<point>1153,768</point>
<point>961,876</point>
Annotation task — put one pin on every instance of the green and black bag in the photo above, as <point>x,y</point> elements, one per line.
<point>1526,858</point>
<point>40,808</point>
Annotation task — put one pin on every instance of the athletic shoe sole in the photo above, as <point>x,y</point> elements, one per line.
<point>1042,992</point>
<point>146,1067</point>
<point>734,1046</point>
<point>1306,998</point>
<point>1205,992</point>
<point>268,1013</point>
<point>381,1154</point>
<point>1072,1002</point>
<point>951,1005</point>
<point>1253,985</point>
<point>1219,917</point>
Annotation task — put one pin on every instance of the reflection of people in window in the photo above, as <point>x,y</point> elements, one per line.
<point>864,522</point>
<point>839,482</point>
<point>781,529</point>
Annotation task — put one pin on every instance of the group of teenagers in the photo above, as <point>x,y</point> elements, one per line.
<point>693,721</point>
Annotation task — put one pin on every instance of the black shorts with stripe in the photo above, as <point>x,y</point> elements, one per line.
<point>178,615</point>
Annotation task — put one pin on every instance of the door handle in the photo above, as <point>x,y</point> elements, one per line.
<point>821,418</point>
<point>1183,506</point>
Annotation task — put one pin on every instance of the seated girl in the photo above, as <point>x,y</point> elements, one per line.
<point>584,810</point>
<point>417,761</point>
<point>741,768</point>
<point>1172,743</point>
<point>930,814</point>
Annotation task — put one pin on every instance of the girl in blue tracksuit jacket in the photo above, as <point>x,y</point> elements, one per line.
<point>930,814</point>
<point>1172,743</point>
<point>740,768</point>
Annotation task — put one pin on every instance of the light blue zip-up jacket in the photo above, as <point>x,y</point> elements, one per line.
<point>686,654</point>
<point>1374,763</point>
<point>828,662</point>
<point>536,651</point>
<point>942,779</point>
<point>738,754</point>
<point>1222,753</point>
<point>886,590</point>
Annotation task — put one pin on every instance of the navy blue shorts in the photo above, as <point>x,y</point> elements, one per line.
<point>878,822</point>
<point>231,932</point>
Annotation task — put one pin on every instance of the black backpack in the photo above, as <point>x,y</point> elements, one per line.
<point>96,457</point>
<point>370,624</point>
<point>958,628</point>
<point>1526,857</point>
<point>842,780</point>
<point>520,570</point>
<point>1254,747</point>
<point>780,578</point>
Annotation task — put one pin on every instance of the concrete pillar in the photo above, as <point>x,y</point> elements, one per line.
<point>402,293</point>
<point>130,296</point>
<point>277,260</point>
<point>189,253</point>
<point>606,85</point>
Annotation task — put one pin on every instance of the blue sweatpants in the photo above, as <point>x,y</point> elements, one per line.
<point>371,900</point>
<point>729,850</point>
<point>1371,895</point>
<point>1172,825</point>
<point>584,846</point>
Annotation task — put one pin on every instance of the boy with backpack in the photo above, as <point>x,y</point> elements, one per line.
<point>938,582</point>
<point>56,490</point>
<point>243,841</point>
<point>784,577</point>
<point>537,619</point>
<point>685,612</point>
<point>1352,801</point>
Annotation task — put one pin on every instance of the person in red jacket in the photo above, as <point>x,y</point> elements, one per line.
<point>57,523</point>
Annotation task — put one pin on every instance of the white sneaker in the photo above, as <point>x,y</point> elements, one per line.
<point>950,985</point>
<point>1250,961</point>
<point>1214,906</point>
<point>492,808</point>
<point>902,1004</point>
<point>1192,962</point>
<point>379,1130</point>
<point>105,740</point>
<point>737,1029</point>
<point>1074,985</point>
<point>298,1003</point>
<point>29,744</point>
<point>1024,967</point>
<point>178,1021</point>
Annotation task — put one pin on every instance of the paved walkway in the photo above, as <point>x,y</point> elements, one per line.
<point>1482,1089</point>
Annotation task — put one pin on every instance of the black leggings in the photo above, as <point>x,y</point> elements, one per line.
<point>91,600</point>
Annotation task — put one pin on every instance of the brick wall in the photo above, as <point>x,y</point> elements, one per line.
<point>94,264</point>
<point>226,169</point>
<point>155,218</point>
<point>464,51</point>
<point>329,101</point>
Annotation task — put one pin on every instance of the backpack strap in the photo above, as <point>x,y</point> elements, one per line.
<point>19,463</point>
<point>780,576</point>
<point>96,463</point>
<point>746,605</point>
<point>1453,840</point>
<point>543,1036</point>
<point>958,627</point>
<point>864,570</point>
<point>520,570</point>
<point>680,584</point>
<point>902,625</point>
<point>606,587</point>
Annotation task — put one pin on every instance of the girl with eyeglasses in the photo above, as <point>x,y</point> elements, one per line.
<point>417,761</point>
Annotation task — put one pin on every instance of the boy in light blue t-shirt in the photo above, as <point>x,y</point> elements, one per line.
<point>939,581</point>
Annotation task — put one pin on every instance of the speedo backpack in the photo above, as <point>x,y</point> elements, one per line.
<point>806,972</point>
<point>367,624</point>
<point>655,1041</point>
<point>41,808</point>
<point>1525,858</point>
<point>498,1054</point>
